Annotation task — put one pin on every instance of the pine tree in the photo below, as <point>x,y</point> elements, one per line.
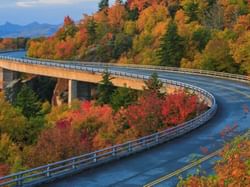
<point>123,97</point>
<point>154,85</point>
<point>103,4</point>
<point>27,102</point>
<point>105,89</point>
<point>172,47</point>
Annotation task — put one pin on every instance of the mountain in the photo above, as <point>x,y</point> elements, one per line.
<point>31,30</point>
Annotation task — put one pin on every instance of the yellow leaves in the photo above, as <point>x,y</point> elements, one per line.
<point>150,16</point>
<point>130,27</point>
<point>240,50</point>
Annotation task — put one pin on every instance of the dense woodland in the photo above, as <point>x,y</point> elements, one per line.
<point>212,35</point>
<point>13,43</point>
<point>29,124</point>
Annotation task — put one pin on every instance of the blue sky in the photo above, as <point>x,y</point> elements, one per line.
<point>44,11</point>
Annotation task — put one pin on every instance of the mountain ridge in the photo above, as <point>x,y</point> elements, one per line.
<point>31,30</point>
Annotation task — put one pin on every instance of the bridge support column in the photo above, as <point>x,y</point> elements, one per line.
<point>1,79</point>
<point>86,91</point>
<point>72,91</point>
<point>6,76</point>
<point>81,90</point>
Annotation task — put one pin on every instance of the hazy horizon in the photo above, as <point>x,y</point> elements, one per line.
<point>23,12</point>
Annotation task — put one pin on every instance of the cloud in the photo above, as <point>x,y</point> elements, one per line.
<point>32,3</point>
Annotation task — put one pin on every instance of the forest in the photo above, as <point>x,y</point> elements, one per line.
<point>29,124</point>
<point>211,35</point>
<point>13,43</point>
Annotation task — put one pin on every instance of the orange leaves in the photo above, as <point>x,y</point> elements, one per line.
<point>64,49</point>
<point>232,170</point>
<point>142,4</point>
<point>117,15</point>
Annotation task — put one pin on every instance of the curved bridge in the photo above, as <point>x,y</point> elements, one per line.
<point>233,98</point>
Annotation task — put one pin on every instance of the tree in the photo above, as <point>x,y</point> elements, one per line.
<point>105,89</point>
<point>12,122</point>
<point>201,36</point>
<point>123,97</point>
<point>91,30</point>
<point>172,47</point>
<point>122,44</point>
<point>191,9</point>
<point>69,29</point>
<point>104,4</point>
<point>217,57</point>
<point>180,107</point>
<point>117,15</point>
<point>58,143</point>
<point>27,102</point>
<point>144,116</point>
<point>154,85</point>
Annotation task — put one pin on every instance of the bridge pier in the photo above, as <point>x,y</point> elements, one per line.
<point>6,77</point>
<point>72,91</point>
<point>80,90</point>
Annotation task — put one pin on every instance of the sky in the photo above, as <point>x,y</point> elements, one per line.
<point>45,11</point>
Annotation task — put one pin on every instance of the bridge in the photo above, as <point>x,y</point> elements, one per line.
<point>230,92</point>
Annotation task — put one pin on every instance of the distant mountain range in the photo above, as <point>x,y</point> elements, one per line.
<point>31,30</point>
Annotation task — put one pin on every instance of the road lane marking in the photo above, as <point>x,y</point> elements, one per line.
<point>189,166</point>
<point>185,168</point>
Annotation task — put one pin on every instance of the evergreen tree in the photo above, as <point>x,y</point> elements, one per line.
<point>91,28</point>
<point>153,84</point>
<point>172,47</point>
<point>123,97</point>
<point>105,89</point>
<point>103,4</point>
<point>27,102</point>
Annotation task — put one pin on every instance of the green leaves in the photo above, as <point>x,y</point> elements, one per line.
<point>105,89</point>
<point>172,47</point>
<point>27,102</point>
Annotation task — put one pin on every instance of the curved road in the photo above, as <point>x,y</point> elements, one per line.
<point>141,168</point>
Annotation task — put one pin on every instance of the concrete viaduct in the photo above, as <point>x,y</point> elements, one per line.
<point>232,93</point>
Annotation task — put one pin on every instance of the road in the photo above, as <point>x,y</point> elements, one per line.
<point>144,167</point>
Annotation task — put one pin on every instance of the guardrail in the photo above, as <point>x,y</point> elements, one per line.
<point>11,50</point>
<point>237,77</point>
<point>58,169</point>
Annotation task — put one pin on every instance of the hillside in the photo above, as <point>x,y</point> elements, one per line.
<point>9,30</point>
<point>211,35</point>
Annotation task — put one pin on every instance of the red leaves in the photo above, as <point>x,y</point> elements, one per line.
<point>145,116</point>
<point>179,107</point>
<point>151,113</point>
<point>4,169</point>
<point>92,127</point>
<point>57,143</point>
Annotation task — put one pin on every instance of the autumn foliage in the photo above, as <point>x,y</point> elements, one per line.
<point>231,170</point>
<point>212,35</point>
<point>12,43</point>
<point>89,127</point>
